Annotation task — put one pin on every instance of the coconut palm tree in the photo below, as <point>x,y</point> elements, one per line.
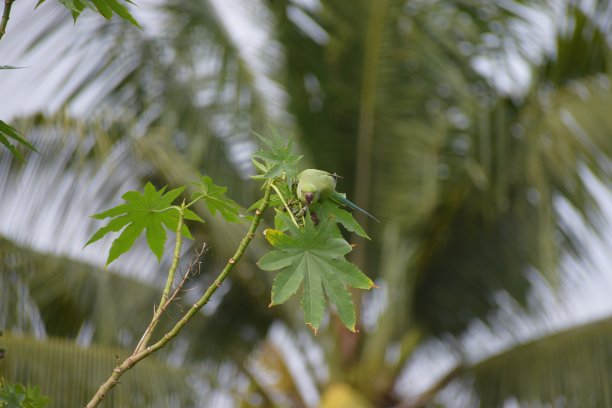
<point>469,128</point>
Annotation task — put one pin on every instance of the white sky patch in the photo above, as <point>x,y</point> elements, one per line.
<point>507,62</point>
<point>246,23</point>
<point>302,358</point>
<point>286,343</point>
<point>310,5</point>
<point>21,84</point>
<point>507,73</point>
<point>308,26</point>
<point>62,59</point>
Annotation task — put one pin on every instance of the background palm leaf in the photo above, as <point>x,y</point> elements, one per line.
<point>71,375</point>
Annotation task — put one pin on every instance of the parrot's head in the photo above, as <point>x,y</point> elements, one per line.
<point>308,193</point>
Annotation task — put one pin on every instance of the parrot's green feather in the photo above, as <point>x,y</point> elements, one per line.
<point>318,185</point>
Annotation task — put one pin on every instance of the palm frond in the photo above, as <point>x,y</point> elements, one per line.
<point>65,298</point>
<point>572,365</point>
<point>90,168</point>
<point>499,170</point>
<point>81,168</point>
<point>70,375</point>
<point>186,75</point>
<point>582,47</point>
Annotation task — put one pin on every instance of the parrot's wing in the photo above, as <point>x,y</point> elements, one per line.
<point>324,182</point>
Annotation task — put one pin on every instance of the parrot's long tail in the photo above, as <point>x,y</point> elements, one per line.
<point>343,200</point>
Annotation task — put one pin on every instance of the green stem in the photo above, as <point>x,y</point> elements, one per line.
<point>177,255</point>
<point>280,195</point>
<point>192,202</point>
<point>169,281</point>
<point>5,16</point>
<point>137,356</point>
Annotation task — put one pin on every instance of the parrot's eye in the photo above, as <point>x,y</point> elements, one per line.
<point>309,197</point>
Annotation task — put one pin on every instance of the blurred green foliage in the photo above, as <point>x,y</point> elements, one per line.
<point>463,124</point>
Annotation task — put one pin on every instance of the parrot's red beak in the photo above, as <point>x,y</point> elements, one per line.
<point>309,197</point>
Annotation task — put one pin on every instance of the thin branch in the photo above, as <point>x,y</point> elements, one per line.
<point>5,16</point>
<point>166,293</point>
<point>139,355</point>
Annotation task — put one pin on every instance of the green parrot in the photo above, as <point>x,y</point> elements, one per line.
<point>318,185</point>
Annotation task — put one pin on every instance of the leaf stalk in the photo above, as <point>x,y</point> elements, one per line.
<point>280,195</point>
<point>169,281</point>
